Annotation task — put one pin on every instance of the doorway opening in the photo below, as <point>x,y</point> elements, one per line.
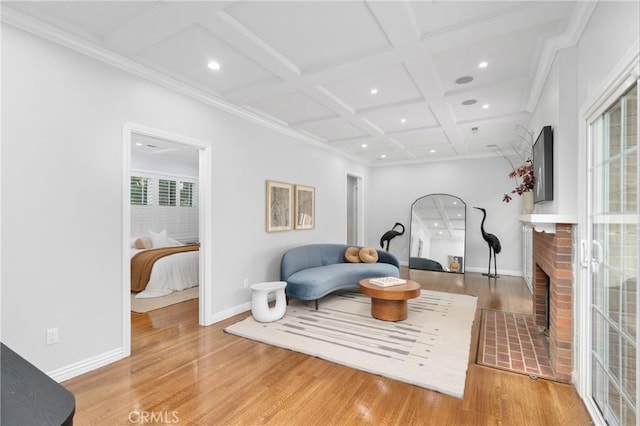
<point>173,204</point>
<point>354,210</point>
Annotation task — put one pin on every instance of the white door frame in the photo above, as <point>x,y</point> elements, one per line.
<point>625,73</point>
<point>359,207</point>
<point>204,218</point>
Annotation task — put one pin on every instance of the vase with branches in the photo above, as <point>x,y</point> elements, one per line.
<point>522,173</point>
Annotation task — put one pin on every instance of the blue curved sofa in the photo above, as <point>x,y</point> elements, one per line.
<point>315,270</point>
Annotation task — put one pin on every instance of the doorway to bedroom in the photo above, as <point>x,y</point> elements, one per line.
<point>166,199</point>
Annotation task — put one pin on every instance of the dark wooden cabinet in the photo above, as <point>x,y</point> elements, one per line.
<point>30,397</point>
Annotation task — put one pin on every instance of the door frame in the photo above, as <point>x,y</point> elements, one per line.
<point>625,73</point>
<point>359,216</point>
<point>205,225</point>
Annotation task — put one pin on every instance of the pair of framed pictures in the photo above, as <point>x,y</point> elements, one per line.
<point>290,206</point>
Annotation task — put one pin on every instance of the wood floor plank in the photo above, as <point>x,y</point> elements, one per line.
<point>186,374</point>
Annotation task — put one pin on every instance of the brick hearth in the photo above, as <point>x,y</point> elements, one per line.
<point>552,257</point>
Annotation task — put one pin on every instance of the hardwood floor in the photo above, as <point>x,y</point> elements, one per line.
<point>181,373</point>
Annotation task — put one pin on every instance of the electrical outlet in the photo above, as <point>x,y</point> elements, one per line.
<point>52,336</point>
<point>245,283</point>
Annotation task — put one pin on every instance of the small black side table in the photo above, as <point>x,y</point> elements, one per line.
<point>30,397</point>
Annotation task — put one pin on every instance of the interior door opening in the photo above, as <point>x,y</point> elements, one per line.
<point>166,195</point>
<point>354,210</point>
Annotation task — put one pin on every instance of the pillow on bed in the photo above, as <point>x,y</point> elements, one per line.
<point>368,255</point>
<point>173,242</point>
<point>352,255</point>
<point>159,239</point>
<point>143,243</point>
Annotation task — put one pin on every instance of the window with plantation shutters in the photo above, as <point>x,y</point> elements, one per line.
<point>166,192</point>
<point>164,202</point>
<point>140,191</point>
<point>186,194</point>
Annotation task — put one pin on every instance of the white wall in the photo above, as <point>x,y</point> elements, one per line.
<point>610,33</point>
<point>63,115</point>
<point>142,161</point>
<point>478,182</point>
<point>575,74</point>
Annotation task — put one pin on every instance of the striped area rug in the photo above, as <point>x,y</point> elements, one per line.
<point>429,349</point>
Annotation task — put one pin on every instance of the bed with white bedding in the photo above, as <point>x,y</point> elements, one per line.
<point>161,265</point>
<point>170,273</point>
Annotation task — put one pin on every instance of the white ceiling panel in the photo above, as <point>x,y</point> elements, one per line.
<point>393,85</point>
<point>333,129</point>
<point>432,152</point>
<point>447,15</point>
<point>505,99</point>
<point>402,118</point>
<point>426,138</point>
<point>354,146</point>
<point>506,58</point>
<point>187,54</point>
<point>313,34</point>
<point>292,108</point>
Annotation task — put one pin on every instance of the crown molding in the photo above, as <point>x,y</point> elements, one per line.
<point>570,38</point>
<point>48,32</point>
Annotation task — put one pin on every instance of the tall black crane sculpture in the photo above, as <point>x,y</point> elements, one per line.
<point>493,242</point>
<point>390,235</point>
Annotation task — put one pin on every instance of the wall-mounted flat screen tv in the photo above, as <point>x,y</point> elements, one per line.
<point>543,166</point>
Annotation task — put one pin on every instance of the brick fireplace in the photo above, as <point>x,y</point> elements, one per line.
<point>552,293</point>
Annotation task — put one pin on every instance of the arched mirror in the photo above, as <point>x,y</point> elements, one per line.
<point>438,233</point>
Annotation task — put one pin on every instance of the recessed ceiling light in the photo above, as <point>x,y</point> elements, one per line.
<point>469,102</point>
<point>364,145</point>
<point>138,144</point>
<point>373,91</point>
<point>483,64</point>
<point>435,224</point>
<point>383,156</point>
<point>433,151</point>
<point>213,65</point>
<point>464,80</point>
<point>403,120</point>
<point>485,106</point>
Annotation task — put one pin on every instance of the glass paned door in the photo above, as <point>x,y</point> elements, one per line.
<point>614,221</point>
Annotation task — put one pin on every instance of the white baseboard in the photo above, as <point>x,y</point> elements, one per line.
<point>500,272</point>
<point>84,366</point>
<point>228,313</point>
<point>93,363</point>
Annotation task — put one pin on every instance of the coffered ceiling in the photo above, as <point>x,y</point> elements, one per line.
<point>383,82</point>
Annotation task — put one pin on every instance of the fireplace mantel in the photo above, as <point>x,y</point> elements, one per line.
<point>547,222</point>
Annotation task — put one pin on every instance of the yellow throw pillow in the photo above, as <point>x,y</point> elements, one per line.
<point>352,255</point>
<point>368,255</point>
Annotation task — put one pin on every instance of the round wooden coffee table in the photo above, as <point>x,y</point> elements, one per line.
<point>390,303</point>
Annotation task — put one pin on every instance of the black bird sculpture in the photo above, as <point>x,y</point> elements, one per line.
<point>493,242</point>
<point>390,235</point>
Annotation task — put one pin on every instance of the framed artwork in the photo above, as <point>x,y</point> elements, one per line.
<point>279,206</point>
<point>456,263</point>
<point>543,166</point>
<point>305,211</point>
